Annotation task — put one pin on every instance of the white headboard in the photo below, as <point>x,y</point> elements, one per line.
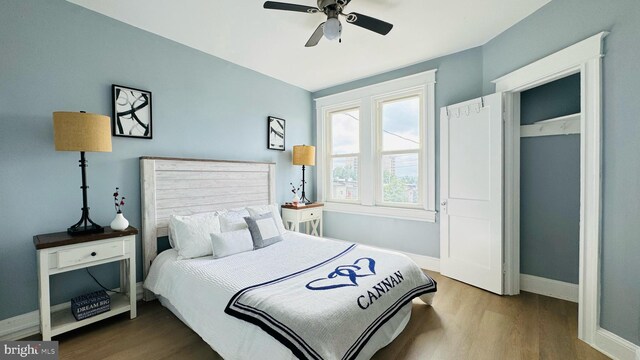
<point>191,186</point>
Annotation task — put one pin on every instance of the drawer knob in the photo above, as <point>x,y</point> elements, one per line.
<point>93,253</point>
<point>311,214</point>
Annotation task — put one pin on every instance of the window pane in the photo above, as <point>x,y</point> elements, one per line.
<point>400,178</point>
<point>401,124</point>
<point>344,179</point>
<point>345,132</point>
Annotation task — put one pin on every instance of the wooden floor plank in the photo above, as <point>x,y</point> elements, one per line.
<point>524,339</point>
<point>464,322</point>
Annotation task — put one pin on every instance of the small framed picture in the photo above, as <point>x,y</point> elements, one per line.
<point>131,112</point>
<point>275,136</point>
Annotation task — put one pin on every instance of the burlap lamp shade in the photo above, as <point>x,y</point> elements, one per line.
<point>75,131</point>
<point>304,155</point>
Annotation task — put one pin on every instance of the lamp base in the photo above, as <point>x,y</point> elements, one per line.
<point>304,199</point>
<point>82,230</point>
<point>85,225</point>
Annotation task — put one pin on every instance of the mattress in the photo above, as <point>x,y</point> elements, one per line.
<point>198,290</point>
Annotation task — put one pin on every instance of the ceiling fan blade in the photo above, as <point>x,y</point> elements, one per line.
<point>274,5</point>
<point>369,23</point>
<point>315,37</point>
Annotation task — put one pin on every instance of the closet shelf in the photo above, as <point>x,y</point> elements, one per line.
<point>563,125</point>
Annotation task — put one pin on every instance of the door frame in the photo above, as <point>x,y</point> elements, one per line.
<point>584,57</point>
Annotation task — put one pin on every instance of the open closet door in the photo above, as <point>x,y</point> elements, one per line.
<point>471,195</point>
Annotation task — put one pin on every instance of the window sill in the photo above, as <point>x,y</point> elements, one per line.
<point>382,211</point>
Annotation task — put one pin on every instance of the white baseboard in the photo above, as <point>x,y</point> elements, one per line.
<point>614,346</point>
<point>28,324</point>
<point>547,287</point>
<point>424,262</point>
<point>605,341</point>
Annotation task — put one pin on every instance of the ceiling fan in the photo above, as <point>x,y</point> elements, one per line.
<point>332,28</point>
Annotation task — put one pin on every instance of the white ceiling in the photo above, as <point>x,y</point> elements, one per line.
<point>272,42</point>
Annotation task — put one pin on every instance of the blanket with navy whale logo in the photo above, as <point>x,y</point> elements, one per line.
<point>330,309</point>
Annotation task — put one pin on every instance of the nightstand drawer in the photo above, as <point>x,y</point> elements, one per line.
<point>90,253</point>
<point>310,214</point>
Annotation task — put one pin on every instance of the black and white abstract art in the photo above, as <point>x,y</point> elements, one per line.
<point>131,112</point>
<point>275,138</point>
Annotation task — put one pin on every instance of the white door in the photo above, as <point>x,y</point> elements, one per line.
<point>471,197</point>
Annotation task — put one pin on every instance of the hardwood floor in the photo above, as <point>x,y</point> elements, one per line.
<point>463,323</point>
<point>468,323</point>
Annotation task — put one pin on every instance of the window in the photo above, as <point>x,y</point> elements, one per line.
<point>399,122</point>
<point>376,149</point>
<point>344,154</point>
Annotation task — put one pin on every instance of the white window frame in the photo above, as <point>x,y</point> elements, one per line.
<point>369,172</point>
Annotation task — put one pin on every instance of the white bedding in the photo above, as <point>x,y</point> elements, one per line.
<point>198,291</point>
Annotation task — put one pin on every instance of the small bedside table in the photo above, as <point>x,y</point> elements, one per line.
<point>61,252</point>
<point>292,216</point>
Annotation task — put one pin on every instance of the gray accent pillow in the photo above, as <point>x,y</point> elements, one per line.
<point>264,230</point>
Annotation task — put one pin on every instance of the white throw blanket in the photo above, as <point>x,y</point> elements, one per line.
<point>330,309</point>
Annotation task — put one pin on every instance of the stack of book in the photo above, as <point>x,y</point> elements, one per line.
<point>88,305</point>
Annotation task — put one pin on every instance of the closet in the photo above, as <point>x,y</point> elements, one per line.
<point>550,181</point>
<point>541,232</point>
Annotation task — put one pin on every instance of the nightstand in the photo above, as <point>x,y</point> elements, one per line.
<point>61,252</point>
<point>293,216</point>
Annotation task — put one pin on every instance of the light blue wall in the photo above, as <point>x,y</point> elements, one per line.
<point>58,56</point>
<point>548,101</point>
<point>550,207</point>
<point>550,185</point>
<point>458,78</point>
<point>554,27</point>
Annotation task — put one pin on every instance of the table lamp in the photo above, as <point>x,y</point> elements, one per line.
<point>304,155</point>
<point>79,131</point>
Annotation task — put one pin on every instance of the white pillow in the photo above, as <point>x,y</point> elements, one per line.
<point>275,211</point>
<point>232,220</point>
<point>191,234</point>
<point>232,242</point>
<point>171,235</point>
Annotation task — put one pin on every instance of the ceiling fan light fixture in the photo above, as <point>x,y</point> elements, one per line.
<point>332,28</point>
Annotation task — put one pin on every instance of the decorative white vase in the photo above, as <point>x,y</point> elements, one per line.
<point>296,199</point>
<point>119,223</point>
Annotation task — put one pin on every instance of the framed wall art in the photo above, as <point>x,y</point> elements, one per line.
<point>131,112</point>
<point>275,136</point>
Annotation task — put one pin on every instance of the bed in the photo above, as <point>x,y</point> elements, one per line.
<point>243,305</point>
